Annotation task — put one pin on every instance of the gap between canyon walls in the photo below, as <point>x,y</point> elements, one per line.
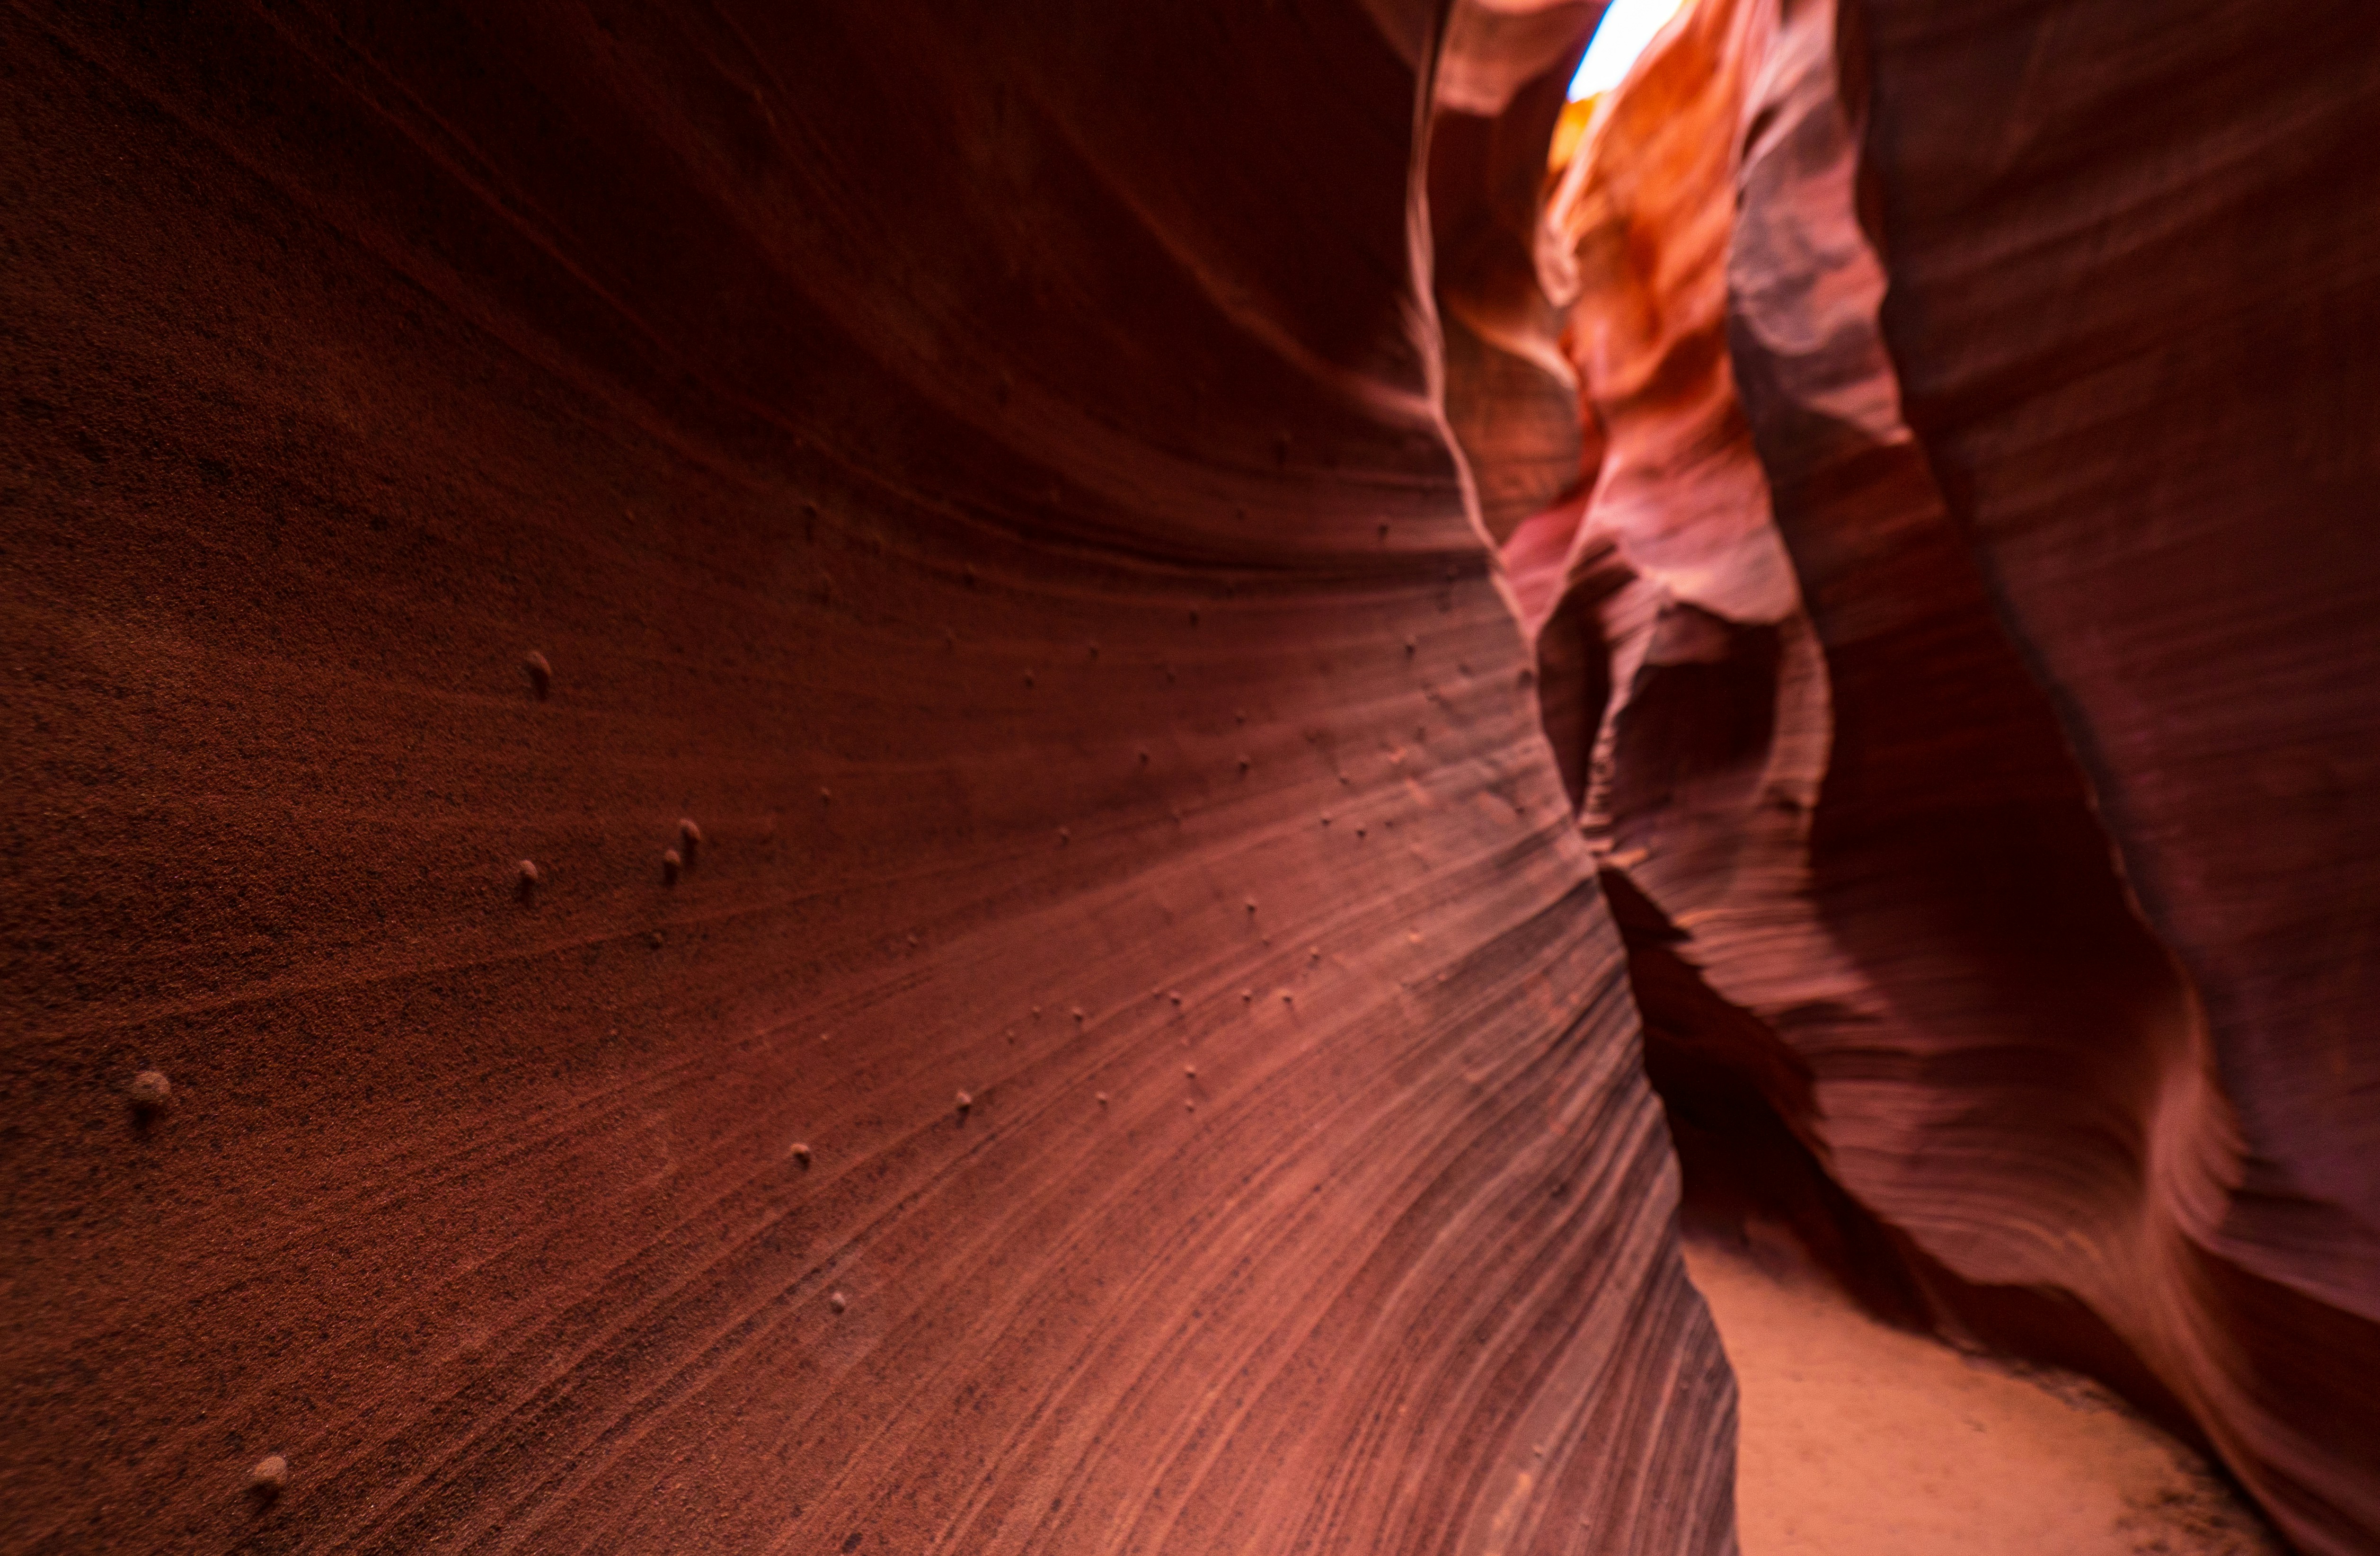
<point>980,467</point>
<point>1875,738</point>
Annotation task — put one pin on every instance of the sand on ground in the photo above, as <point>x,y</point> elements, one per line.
<point>1859,1440</point>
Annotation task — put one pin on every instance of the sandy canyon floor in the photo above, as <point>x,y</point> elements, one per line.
<point>1860,1440</point>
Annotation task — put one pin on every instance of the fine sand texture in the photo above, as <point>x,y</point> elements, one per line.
<point>1857,1439</point>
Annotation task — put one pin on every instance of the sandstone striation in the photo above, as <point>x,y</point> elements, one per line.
<point>982,472</point>
<point>770,789</point>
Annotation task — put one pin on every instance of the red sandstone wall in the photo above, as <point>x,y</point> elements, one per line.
<point>1511,400</point>
<point>2173,514</point>
<point>981,469</point>
<point>987,471</point>
<point>1996,881</point>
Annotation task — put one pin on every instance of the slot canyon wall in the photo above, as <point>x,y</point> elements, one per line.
<point>1139,1047</point>
<point>982,467</point>
<point>1962,654</point>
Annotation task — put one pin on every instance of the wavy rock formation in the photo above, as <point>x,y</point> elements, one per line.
<point>770,793</point>
<point>784,726</point>
<point>1511,397</point>
<point>1953,944</point>
<point>2171,515</point>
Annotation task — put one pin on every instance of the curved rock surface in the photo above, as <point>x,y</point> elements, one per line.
<point>2172,516</point>
<point>767,791</point>
<point>1511,400</point>
<point>1997,895</point>
<point>1129,1053</point>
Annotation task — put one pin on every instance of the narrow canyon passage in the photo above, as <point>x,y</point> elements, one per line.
<point>1050,779</point>
<point>1916,979</point>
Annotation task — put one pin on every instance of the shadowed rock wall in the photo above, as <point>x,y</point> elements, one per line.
<point>982,469</point>
<point>1512,399</point>
<point>2182,226</point>
<point>2001,874</point>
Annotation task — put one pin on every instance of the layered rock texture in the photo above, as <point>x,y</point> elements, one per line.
<point>1129,1054</point>
<point>1964,661</point>
<point>771,791</point>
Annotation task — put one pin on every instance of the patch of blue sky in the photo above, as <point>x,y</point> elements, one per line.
<point>1626,28</point>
